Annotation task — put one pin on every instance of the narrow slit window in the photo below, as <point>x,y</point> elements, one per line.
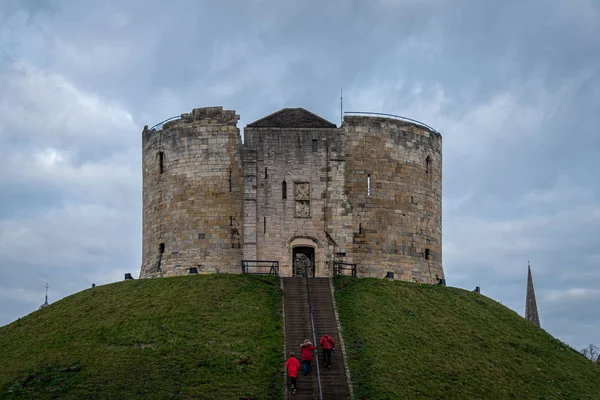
<point>266,174</point>
<point>230,181</point>
<point>368,185</point>
<point>161,160</point>
<point>230,221</point>
<point>360,229</point>
<point>284,190</point>
<point>428,165</point>
<point>315,145</point>
<point>427,254</point>
<point>161,248</point>
<point>264,224</point>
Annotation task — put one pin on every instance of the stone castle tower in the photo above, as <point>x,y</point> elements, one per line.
<point>368,193</point>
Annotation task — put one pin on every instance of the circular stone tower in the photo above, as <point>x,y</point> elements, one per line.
<point>393,179</point>
<point>192,195</point>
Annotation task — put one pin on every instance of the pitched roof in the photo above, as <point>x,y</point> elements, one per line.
<point>292,118</point>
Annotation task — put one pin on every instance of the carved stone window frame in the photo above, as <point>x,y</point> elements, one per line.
<point>302,199</point>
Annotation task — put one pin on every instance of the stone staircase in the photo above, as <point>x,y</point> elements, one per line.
<point>298,328</point>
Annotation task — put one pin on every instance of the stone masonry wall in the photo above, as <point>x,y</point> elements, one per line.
<point>192,209</point>
<point>286,154</point>
<point>398,226</point>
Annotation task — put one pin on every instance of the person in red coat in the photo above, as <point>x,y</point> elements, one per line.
<point>327,344</point>
<point>292,366</point>
<point>307,355</point>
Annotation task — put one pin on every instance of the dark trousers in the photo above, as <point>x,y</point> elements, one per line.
<point>293,383</point>
<point>327,357</point>
<point>306,366</point>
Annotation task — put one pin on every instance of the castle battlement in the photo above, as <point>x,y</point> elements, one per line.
<point>204,117</point>
<point>365,121</point>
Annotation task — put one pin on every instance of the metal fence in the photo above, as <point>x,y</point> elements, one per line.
<point>344,269</point>
<point>159,126</point>
<point>260,267</point>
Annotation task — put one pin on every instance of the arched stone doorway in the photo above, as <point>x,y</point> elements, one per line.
<point>305,255</point>
<point>303,261</point>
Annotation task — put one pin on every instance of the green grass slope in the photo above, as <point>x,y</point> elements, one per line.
<point>197,337</point>
<point>411,341</point>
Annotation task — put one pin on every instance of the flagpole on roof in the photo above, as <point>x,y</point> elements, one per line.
<point>341,106</point>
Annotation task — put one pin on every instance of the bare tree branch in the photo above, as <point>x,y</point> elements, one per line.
<point>591,352</point>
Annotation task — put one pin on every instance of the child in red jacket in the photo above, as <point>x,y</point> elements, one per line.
<point>292,366</point>
<point>307,355</point>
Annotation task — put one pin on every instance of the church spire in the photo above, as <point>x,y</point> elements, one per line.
<point>531,312</point>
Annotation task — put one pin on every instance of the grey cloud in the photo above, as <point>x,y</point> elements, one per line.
<point>512,86</point>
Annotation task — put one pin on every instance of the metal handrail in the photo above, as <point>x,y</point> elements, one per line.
<point>394,116</point>
<point>312,323</point>
<point>166,120</point>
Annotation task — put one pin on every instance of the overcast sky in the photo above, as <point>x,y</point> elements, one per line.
<point>513,86</point>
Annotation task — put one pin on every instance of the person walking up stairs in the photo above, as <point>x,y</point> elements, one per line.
<point>327,345</point>
<point>292,366</point>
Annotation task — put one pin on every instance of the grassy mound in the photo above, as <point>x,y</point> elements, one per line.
<point>205,336</point>
<point>433,342</point>
<point>220,337</point>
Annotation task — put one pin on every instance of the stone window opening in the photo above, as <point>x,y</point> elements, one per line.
<point>427,254</point>
<point>283,190</point>
<point>161,250</point>
<point>369,185</point>
<point>360,229</point>
<point>230,221</point>
<point>315,145</point>
<point>264,224</point>
<point>161,160</point>
<point>428,166</point>
<point>266,174</point>
<point>230,181</point>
